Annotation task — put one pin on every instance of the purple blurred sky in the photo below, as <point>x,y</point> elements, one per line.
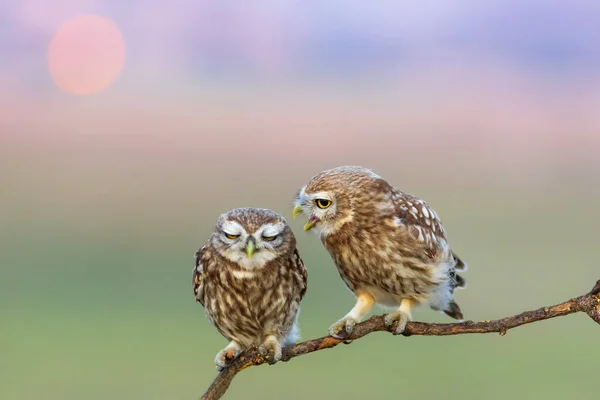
<point>470,77</point>
<point>297,38</point>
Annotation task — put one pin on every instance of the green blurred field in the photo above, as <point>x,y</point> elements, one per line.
<point>96,298</point>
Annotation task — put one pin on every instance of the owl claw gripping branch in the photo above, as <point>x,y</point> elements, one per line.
<point>389,247</point>
<point>250,279</point>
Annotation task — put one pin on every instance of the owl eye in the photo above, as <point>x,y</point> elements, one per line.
<point>230,236</point>
<point>269,238</point>
<point>322,203</point>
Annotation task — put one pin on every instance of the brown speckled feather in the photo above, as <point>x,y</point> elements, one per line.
<point>244,305</point>
<point>383,240</point>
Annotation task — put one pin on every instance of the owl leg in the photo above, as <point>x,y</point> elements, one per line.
<point>396,321</point>
<point>270,349</point>
<point>227,355</point>
<point>364,303</point>
<point>293,336</point>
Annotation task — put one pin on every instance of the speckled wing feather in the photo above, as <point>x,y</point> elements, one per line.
<point>423,224</point>
<point>198,275</point>
<point>415,212</point>
<point>298,265</point>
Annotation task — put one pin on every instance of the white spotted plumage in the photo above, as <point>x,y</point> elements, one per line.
<point>250,279</point>
<point>390,247</point>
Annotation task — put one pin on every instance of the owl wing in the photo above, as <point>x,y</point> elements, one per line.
<point>421,223</point>
<point>198,275</point>
<point>424,225</point>
<point>301,273</point>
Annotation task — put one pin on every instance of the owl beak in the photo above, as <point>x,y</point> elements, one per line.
<point>297,211</point>
<point>250,249</point>
<point>311,223</point>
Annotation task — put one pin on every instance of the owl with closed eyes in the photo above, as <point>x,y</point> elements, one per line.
<point>250,279</point>
<point>389,247</point>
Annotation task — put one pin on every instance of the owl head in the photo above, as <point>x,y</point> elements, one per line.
<point>251,237</point>
<point>332,198</point>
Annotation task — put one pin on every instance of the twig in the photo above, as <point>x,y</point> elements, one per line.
<point>588,303</point>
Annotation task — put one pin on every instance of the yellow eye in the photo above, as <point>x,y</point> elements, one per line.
<point>269,238</point>
<point>322,203</point>
<point>229,236</point>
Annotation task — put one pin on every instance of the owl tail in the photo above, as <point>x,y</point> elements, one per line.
<point>460,282</point>
<point>454,311</point>
<point>460,264</point>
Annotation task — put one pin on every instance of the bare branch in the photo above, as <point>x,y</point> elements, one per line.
<point>589,304</point>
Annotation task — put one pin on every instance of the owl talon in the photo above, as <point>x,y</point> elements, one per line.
<point>271,350</point>
<point>227,355</point>
<point>342,328</point>
<point>396,322</point>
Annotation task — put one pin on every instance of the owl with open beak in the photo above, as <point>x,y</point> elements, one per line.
<point>389,247</point>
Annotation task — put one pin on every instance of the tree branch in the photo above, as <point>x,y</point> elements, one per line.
<point>588,303</point>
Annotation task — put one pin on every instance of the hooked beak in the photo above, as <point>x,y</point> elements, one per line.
<point>297,211</point>
<point>250,249</point>
<point>311,223</point>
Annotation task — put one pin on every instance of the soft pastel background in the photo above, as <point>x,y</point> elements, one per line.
<point>488,110</point>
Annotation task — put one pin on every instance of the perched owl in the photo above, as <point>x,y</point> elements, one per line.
<point>250,279</point>
<point>389,247</point>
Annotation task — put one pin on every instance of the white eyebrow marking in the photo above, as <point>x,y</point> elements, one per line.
<point>233,228</point>
<point>319,195</point>
<point>271,229</point>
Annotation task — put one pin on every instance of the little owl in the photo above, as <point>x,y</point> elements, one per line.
<point>389,247</point>
<point>250,279</point>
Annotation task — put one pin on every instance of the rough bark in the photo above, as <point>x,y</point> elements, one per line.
<point>588,303</point>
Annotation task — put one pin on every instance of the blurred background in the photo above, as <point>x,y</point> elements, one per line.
<point>126,128</point>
